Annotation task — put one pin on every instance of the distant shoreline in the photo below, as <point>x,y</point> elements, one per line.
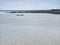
<point>52,11</point>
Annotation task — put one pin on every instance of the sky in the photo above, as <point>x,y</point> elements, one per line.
<point>29,4</point>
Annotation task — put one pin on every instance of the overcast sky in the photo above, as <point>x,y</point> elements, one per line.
<point>28,4</point>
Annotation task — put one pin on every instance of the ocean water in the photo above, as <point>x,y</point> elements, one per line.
<point>30,29</point>
<point>5,10</point>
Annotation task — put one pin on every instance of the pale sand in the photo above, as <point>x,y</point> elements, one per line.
<point>39,29</point>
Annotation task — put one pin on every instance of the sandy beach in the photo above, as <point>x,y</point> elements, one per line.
<point>30,29</point>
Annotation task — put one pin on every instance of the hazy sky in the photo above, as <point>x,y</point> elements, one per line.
<point>29,4</point>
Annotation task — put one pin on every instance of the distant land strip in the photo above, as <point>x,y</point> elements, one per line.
<point>53,11</point>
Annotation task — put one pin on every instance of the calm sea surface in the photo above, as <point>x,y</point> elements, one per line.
<point>30,29</point>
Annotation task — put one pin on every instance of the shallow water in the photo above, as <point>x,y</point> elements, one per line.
<point>30,29</point>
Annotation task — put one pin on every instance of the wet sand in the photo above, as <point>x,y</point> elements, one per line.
<point>30,29</point>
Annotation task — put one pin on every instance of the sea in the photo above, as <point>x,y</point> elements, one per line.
<point>29,29</point>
